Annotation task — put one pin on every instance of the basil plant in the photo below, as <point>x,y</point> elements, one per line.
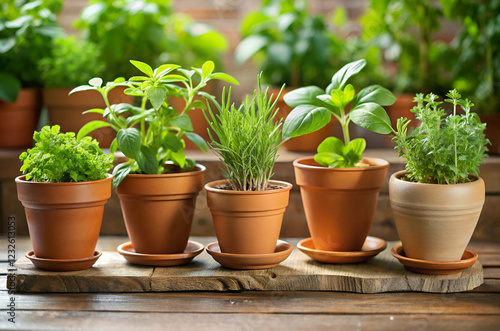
<point>314,108</point>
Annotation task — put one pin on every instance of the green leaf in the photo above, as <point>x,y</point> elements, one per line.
<point>341,76</point>
<point>114,146</point>
<point>9,87</point>
<point>376,94</point>
<point>224,77</point>
<point>198,104</point>
<point>280,53</point>
<point>173,79</point>
<point>331,145</point>
<point>147,161</point>
<point>356,146</point>
<point>333,100</point>
<point>94,110</point>
<point>197,140</point>
<point>7,44</point>
<point>91,126</point>
<point>329,160</point>
<point>303,96</point>
<point>144,67</point>
<point>179,158</point>
<point>165,69</point>
<point>120,172</point>
<point>248,47</point>
<point>371,116</point>
<point>172,142</point>
<point>183,122</point>
<point>208,68</point>
<point>348,94</point>
<point>157,95</point>
<point>305,119</point>
<point>82,88</point>
<point>129,142</point>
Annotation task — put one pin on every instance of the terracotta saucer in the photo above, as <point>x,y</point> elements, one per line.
<point>434,267</point>
<point>251,261</point>
<point>63,264</point>
<point>371,247</point>
<point>193,248</point>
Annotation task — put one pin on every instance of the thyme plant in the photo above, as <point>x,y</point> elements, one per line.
<point>443,149</point>
<point>247,138</point>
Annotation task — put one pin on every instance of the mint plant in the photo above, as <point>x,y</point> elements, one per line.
<point>246,138</point>
<point>152,134</point>
<point>314,108</point>
<point>443,149</point>
<point>59,157</point>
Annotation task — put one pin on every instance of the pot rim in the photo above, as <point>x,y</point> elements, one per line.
<point>380,164</point>
<point>201,168</point>
<point>398,174</point>
<point>211,187</point>
<point>21,180</point>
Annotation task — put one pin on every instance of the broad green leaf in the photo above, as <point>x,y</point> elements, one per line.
<point>341,76</point>
<point>9,87</point>
<point>373,117</point>
<point>252,22</point>
<point>147,161</point>
<point>279,53</point>
<point>357,146</point>
<point>197,140</point>
<point>82,88</point>
<point>119,80</point>
<point>376,94</point>
<point>208,68</point>
<point>172,142</point>
<point>91,126</point>
<point>143,67</point>
<point>157,95</point>
<point>129,142</point>
<point>94,110</point>
<point>183,122</point>
<point>120,172</point>
<point>96,82</point>
<point>335,99</point>
<point>285,20</point>
<point>305,119</point>
<point>348,94</point>
<point>138,78</point>
<point>303,96</point>
<point>331,145</point>
<point>224,77</point>
<point>165,69</point>
<point>173,78</point>
<point>114,146</point>
<point>248,47</point>
<point>179,158</point>
<point>330,160</point>
<point>198,104</point>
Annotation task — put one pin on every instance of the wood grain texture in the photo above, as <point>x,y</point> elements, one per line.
<point>293,302</point>
<point>112,273</point>
<point>70,320</point>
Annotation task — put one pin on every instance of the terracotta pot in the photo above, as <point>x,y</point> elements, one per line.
<point>64,219</point>
<point>339,203</point>
<point>305,143</point>
<point>18,120</point>
<point>401,108</point>
<point>492,132</point>
<point>66,110</point>
<point>247,222</point>
<point>435,222</point>
<point>158,209</point>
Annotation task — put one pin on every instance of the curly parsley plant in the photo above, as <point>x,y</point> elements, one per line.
<point>60,157</point>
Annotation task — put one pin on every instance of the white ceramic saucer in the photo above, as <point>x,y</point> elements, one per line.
<point>193,248</point>
<point>251,261</point>
<point>63,264</point>
<point>434,267</point>
<point>371,247</point>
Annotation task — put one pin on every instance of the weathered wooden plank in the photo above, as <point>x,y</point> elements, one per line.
<point>50,320</point>
<point>298,273</point>
<point>292,302</point>
<point>490,260</point>
<point>489,286</point>
<point>491,273</point>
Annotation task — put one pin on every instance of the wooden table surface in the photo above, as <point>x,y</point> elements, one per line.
<point>264,310</point>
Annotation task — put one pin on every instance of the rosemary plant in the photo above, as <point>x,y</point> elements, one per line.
<point>247,138</point>
<point>443,149</point>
